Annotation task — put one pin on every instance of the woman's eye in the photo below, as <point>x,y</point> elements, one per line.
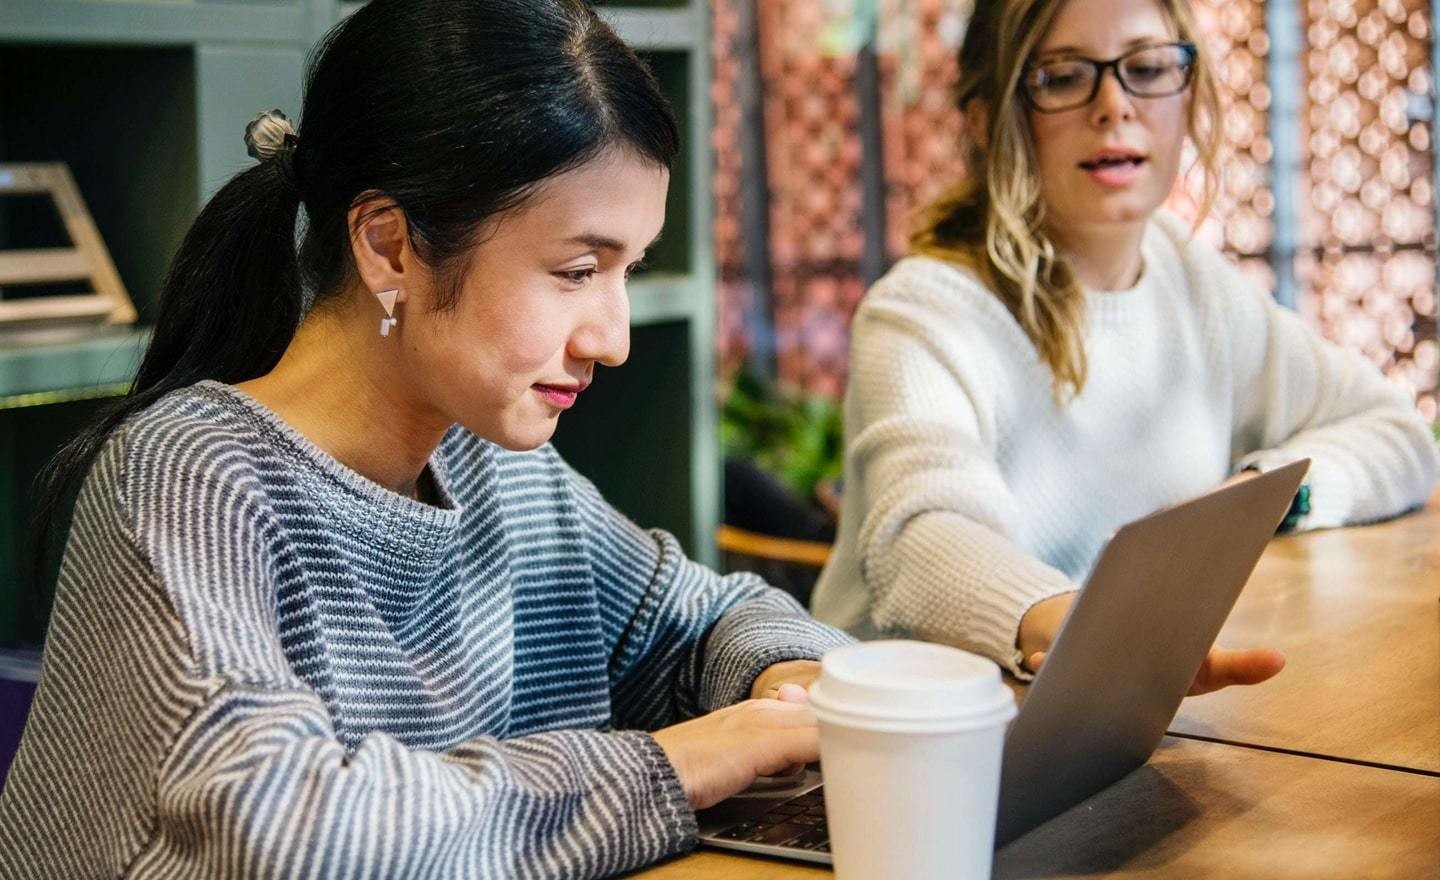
<point>1059,77</point>
<point>577,276</point>
<point>1147,71</point>
<point>638,266</point>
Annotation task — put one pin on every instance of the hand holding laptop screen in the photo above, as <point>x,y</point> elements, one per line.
<point>1125,651</point>
<point>1222,667</point>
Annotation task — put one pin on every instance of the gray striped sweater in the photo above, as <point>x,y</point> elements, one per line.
<point>261,664</point>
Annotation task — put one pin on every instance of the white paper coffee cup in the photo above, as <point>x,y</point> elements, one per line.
<point>911,736</point>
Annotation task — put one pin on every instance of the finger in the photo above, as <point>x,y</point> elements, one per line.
<point>791,747</point>
<point>790,692</point>
<point>1224,667</point>
<point>1035,660</point>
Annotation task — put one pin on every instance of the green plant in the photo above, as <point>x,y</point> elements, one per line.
<point>795,436</point>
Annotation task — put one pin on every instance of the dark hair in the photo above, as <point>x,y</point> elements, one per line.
<point>455,109</point>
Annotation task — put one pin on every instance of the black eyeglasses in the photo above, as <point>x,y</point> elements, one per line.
<point>1065,83</point>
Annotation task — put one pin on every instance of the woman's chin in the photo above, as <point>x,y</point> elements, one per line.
<point>517,438</point>
<point>1112,214</point>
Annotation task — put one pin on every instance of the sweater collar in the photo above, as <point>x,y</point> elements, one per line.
<point>386,508</point>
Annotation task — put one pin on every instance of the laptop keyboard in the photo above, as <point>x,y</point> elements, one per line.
<point>798,823</point>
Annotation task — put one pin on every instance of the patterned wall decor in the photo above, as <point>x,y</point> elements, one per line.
<point>813,158</point>
<point>813,152</point>
<point>734,293</point>
<point>813,171</point>
<point>1368,225</point>
<point>918,42</point>
<point>1240,221</point>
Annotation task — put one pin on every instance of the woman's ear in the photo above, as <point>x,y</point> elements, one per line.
<point>380,243</point>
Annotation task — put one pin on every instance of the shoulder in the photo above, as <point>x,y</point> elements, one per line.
<point>182,471</point>
<point>1172,242</point>
<point>937,287</point>
<point>940,304</point>
<point>192,436</point>
<point>1218,291</point>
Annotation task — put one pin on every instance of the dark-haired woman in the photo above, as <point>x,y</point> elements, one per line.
<point>329,605</point>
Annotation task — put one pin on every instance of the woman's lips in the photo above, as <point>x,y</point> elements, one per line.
<point>557,395</point>
<point>1115,173</point>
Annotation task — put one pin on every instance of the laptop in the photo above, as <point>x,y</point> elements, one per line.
<point>1112,681</point>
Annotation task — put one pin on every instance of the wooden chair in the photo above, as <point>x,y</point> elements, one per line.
<point>746,543</point>
<point>788,563</point>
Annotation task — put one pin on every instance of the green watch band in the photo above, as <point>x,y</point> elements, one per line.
<point>1299,505</point>
<point>1299,509</point>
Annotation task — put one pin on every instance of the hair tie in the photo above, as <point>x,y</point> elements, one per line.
<point>271,138</point>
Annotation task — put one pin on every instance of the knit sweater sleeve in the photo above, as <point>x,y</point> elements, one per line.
<point>705,636</point>
<point>1298,395</point>
<point>238,760</point>
<point>936,546</point>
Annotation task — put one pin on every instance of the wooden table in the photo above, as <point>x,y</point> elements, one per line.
<point>1357,613</point>
<point>1285,788</point>
<point>1202,809</point>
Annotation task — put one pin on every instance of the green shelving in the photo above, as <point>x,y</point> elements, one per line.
<point>35,372</point>
<point>651,28</point>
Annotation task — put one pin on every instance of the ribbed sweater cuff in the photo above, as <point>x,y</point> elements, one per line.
<point>1332,495</point>
<point>996,614</point>
<point>952,580</point>
<point>674,825</point>
<point>755,635</point>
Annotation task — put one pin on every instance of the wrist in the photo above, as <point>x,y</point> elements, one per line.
<point>1299,505</point>
<point>1041,622</point>
<point>670,747</point>
<point>800,672</point>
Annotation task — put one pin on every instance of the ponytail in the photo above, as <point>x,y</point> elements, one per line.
<point>230,304</point>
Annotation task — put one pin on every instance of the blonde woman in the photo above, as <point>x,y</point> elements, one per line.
<point>1058,357</point>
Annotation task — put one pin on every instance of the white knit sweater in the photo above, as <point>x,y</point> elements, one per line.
<point>970,495</point>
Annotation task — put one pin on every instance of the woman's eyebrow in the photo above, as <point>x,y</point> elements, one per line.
<point>598,242</point>
<point>1133,43</point>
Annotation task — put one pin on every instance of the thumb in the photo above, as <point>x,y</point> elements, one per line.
<point>1224,667</point>
<point>792,693</point>
<point>1248,666</point>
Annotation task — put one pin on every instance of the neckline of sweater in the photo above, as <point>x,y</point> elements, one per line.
<point>387,505</point>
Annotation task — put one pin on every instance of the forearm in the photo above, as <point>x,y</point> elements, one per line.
<point>1363,469</point>
<point>1300,396</point>
<point>767,628</point>
<point>698,640</point>
<point>948,579</point>
<point>275,795</point>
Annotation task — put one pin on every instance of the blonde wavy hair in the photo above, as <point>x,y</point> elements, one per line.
<point>992,220</point>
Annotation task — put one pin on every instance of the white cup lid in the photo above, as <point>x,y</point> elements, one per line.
<point>906,681</point>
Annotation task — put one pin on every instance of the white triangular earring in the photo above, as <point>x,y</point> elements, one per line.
<point>387,302</point>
